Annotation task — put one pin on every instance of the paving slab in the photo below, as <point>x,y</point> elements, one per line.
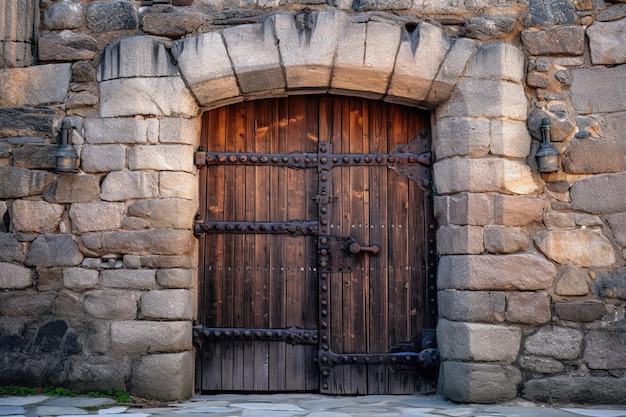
<point>596,413</point>
<point>32,399</point>
<point>53,410</point>
<point>11,410</point>
<point>112,410</point>
<point>82,402</point>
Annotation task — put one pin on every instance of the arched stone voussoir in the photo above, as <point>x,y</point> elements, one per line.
<point>253,51</point>
<point>206,68</point>
<point>420,55</point>
<point>307,52</point>
<point>365,58</point>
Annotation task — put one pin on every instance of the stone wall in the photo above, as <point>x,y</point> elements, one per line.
<point>97,268</point>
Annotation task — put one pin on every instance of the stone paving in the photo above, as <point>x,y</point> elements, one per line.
<point>292,405</point>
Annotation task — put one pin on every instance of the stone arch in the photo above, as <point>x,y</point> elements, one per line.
<point>481,142</point>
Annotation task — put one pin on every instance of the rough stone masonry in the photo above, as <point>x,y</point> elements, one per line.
<point>97,268</point>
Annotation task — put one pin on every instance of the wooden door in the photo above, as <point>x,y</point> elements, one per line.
<point>313,247</point>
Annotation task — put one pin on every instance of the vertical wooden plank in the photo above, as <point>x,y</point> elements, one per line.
<point>278,211</point>
<point>295,248</point>
<point>337,213</point>
<point>377,314</point>
<point>215,253</point>
<point>261,193</point>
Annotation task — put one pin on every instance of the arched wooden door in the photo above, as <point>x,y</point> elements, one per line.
<point>315,234</point>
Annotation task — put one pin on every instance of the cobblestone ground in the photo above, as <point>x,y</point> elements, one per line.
<point>292,405</point>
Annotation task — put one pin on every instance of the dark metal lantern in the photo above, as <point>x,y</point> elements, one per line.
<point>547,156</point>
<point>65,155</point>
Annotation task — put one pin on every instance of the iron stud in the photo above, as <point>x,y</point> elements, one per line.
<point>357,159</point>
<point>346,160</point>
<point>264,159</point>
<point>232,158</point>
<point>368,159</point>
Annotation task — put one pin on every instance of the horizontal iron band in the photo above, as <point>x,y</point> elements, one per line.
<point>311,160</point>
<point>427,358</point>
<point>296,228</point>
<point>294,336</point>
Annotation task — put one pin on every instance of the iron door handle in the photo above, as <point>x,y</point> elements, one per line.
<point>372,250</point>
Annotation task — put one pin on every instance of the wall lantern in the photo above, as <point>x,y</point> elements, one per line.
<point>547,156</point>
<point>65,155</point>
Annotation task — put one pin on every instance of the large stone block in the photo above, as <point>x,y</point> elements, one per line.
<point>572,281</point>
<point>580,311</point>
<point>167,305</point>
<point>420,55</point>
<point>110,16</point>
<point>604,349</point>
<point>118,130</point>
<point>605,40</point>
<point>365,57</point>
<point>136,279</point>
<point>173,23</point>
<point>18,182</point>
<point>453,240</point>
<point>599,89</point>
<point>471,208</point>
<point>461,136</point>
<point>593,156</point>
<point>178,185</point>
<point>34,86</point>
<point>53,250</point>
<point>600,194</point>
<point>478,382</point>
<point>497,61</point>
<point>253,51</point>
<point>26,303</point>
<point>98,373</point>
<point>15,277</point>
<point>166,376</point>
<point>91,217</point>
<point>618,227</point>
<point>64,15</point>
<point>133,338</point>
<point>178,130</point>
<point>36,216</point>
<point>455,175</point>
<point>34,156</point>
<point>472,306</point>
<point>500,239</point>
<point>11,250</point>
<point>558,40</point>
<point>75,188</point>
<point>583,247</point>
<point>524,272</point>
<point>156,96</point>
<point>18,20</point>
<point>517,210</point>
<point>137,56</point>
<point>16,54</point>
<point>209,83</point>
<point>450,71</point>
<point>112,304</point>
<point>161,157</point>
<point>67,46</point>
<point>165,213</point>
<point>80,279</point>
<point>576,389</point>
<point>509,139</point>
<point>307,53</point>
<point>476,97</point>
<point>611,284</point>
<point>126,185</point>
<point>478,342</point>
<point>175,278</point>
<point>141,242</point>
<point>556,342</point>
<point>102,158</point>
<point>528,307</point>
<point>27,121</point>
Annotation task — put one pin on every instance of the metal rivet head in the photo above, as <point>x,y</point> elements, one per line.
<point>345,159</point>
<point>274,160</point>
<point>368,159</point>
<point>379,159</point>
<point>264,159</point>
<point>254,159</point>
<point>324,160</point>
<point>357,159</point>
<point>243,158</point>
<point>221,158</point>
<point>232,158</point>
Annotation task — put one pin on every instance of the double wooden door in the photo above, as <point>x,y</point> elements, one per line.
<point>315,235</point>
